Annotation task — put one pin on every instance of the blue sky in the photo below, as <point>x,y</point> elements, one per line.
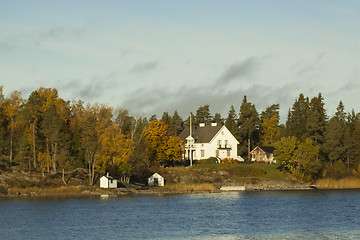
<point>156,56</point>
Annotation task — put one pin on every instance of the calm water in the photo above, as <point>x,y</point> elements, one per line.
<point>244,215</point>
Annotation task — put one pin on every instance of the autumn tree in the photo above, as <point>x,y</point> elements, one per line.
<point>161,147</point>
<point>270,132</point>
<point>300,158</point>
<point>115,152</point>
<point>12,108</point>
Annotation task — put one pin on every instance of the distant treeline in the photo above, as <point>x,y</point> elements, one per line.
<point>45,133</point>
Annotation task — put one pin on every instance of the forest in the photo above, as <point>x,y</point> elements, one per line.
<point>47,134</point>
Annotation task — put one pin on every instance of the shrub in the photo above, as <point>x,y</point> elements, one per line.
<point>229,161</point>
<point>211,160</point>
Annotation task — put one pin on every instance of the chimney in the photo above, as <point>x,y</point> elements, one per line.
<point>214,124</point>
<point>202,125</point>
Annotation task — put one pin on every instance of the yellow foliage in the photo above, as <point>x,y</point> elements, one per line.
<point>229,161</point>
<point>270,130</point>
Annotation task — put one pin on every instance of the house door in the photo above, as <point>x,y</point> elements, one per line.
<point>156,182</point>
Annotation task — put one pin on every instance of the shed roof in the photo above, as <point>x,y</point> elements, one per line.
<point>266,149</point>
<point>201,134</point>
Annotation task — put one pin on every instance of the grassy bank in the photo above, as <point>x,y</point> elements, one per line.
<point>349,182</point>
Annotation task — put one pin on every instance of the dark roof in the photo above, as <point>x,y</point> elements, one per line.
<point>268,149</point>
<point>200,134</point>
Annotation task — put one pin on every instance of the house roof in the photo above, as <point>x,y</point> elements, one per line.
<point>201,134</point>
<point>156,175</point>
<point>266,149</point>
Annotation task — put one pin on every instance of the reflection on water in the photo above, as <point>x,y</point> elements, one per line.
<point>235,215</point>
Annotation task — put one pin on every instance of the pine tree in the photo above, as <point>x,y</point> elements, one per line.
<point>298,117</point>
<point>231,122</point>
<point>333,145</point>
<point>203,115</point>
<point>176,125</point>
<point>248,127</point>
<point>218,119</point>
<point>317,120</point>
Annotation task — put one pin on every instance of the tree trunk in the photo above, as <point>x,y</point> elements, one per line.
<point>249,149</point>
<point>11,146</point>
<point>34,149</point>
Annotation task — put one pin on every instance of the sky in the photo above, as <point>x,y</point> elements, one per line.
<point>160,56</point>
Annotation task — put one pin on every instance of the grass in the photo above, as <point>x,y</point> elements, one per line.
<point>348,182</point>
<point>45,191</point>
<point>250,170</point>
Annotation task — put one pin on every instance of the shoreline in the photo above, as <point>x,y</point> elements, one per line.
<point>96,193</point>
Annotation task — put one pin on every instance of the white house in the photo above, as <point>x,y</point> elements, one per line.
<point>156,180</point>
<point>209,141</point>
<point>108,182</point>
<point>263,154</point>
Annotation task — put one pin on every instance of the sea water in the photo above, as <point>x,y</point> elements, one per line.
<point>236,215</point>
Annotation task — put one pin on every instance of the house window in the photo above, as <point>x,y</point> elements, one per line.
<point>219,143</point>
<point>217,153</point>
<point>202,153</point>
<point>228,153</point>
<point>226,143</point>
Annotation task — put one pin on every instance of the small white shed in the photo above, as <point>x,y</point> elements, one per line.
<point>156,180</point>
<point>108,182</point>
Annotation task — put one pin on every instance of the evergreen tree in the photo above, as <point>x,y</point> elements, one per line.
<point>298,117</point>
<point>248,127</point>
<point>124,122</point>
<point>176,125</point>
<point>333,145</point>
<point>218,119</point>
<point>317,120</point>
<point>271,111</point>
<point>166,118</point>
<point>203,115</point>
<point>231,122</point>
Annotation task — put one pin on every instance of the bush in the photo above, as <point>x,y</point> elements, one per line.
<point>211,160</point>
<point>229,161</point>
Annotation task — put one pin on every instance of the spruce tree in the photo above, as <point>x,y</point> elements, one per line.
<point>231,122</point>
<point>298,117</point>
<point>203,115</point>
<point>248,127</point>
<point>317,120</point>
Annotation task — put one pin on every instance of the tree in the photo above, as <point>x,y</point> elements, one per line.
<point>12,109</point>
<point>218,119</point>
<point>248,126</point>
<point>333,145</point>
<point>307,161</point>
<point>298,117</point>
<point>317,120</point>
<point>161,147</point>
<point>166,118</point>
<point>270,132</point>
<point>32,116</point>
<point>271,111</point>
<point>285,150</point>
<point>176,124</point>
<point>231,121</point>
<point>90,144</point>
<point>203,115</point>
<point>115,152</point>
<point>300,158</point>
<point>53,128</point>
